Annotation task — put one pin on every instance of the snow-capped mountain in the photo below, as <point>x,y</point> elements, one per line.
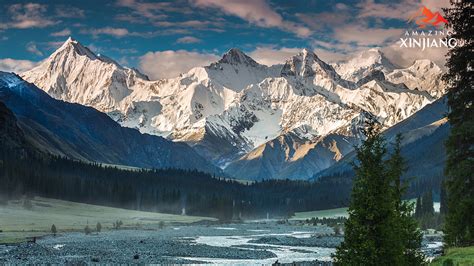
<point>80,132</point>
<point>73,73</point>
<point>236,111</point>
<point>363,63</point>
<point>422,75</point>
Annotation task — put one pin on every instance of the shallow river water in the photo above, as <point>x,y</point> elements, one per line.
<point>236,244</point>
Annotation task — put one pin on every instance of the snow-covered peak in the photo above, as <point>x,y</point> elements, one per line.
<point>72,45</point>
<point>363,63</point>
<point>373,56</point>
<point>306,51</point>
<point>74,73</point>
<point>306,64</point>
<point>236,57</point>
<point>424,65</point>
<point>423,75</point>
<point>236,70</point>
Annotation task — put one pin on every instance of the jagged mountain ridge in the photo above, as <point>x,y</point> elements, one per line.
<point>424,135</point>
<point>235,105</point>
<point>83,133</point>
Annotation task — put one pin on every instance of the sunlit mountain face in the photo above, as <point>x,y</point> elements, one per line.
<point>220,131</point>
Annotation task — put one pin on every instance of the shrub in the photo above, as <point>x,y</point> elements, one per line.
<point>53,229</point>
<point>117,224</point>
<point>87,230</point>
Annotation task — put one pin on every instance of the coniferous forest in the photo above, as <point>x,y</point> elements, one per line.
<point>163,190</point>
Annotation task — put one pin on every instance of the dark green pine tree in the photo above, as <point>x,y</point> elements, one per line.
<point>427,204</point>
<point>370,235</point>
<point>406,226</point>
<point>442,199</point>
<point>459,225</point>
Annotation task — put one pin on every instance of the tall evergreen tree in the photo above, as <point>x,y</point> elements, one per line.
<point>459,226</point>
<point>375,232</point>
<point>427,203</point>
<point>407,229</point>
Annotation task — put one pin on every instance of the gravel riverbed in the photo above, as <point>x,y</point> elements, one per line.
<point>236,244</point>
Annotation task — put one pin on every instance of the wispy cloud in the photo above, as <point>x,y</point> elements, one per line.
<point>188,39</point>
<point>62,33</point>
<point>363,35</point>
<point>24,16</point>
<point>116,32</point>
<point>53,45</point>
<point>169,64</point>
<point>397,9</point>
<point>143,12</point>
<point>271,56</point>
<point>32,48</point>
<point>258,12</point>
<point>405,57</point>
<point>17,66</point>
<point>66,11</point>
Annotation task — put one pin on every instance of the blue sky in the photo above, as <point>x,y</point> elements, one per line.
<point>144,33</point>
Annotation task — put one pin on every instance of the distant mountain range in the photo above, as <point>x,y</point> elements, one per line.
<point>79,132</point>
<point>292,120</point>
<point>424,135</point>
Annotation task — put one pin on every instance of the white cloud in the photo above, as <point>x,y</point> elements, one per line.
<point>54,45</point>
<point>24,16</point>
<point>62,33</point>
<point>188,39</point>
<point>116,32</point>
<point>255,11</point>
<point>169,64</point>
<point>65,11</point>
<point>395,10</point>
<point>366,36</point>
<point>150,10</point>
<point>405,56</point>
<point>32,48</point>
<point>436,5</point>
<point>398,10</point>
<point>17,66</point>
<point>270,56</point>
<point>330,56</point>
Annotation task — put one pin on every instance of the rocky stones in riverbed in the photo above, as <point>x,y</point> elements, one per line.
<point>324,241</point>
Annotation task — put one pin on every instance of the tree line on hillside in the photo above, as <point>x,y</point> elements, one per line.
<point>425,213</point>
<point>161,190</point>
